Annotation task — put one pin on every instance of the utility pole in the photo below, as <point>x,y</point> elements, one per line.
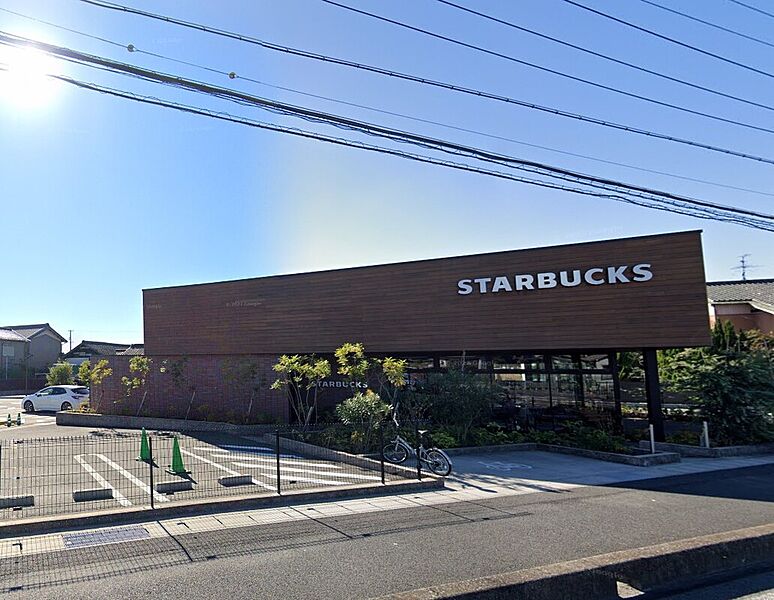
<point>744,266</point>
<point>71,340</point>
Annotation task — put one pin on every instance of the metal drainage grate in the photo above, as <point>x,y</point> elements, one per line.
<point>107,536</point>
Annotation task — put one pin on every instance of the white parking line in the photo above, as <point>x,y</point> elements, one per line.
<point>224,450</point>
<point>101,480</point>
<point>209,462</point>
<point>140,484</point>
<point>226,469</point>
<point>273,460</point>
<point>310,472</point>
<point>273,475</point>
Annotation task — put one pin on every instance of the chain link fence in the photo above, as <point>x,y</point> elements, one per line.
<point>99,472</point>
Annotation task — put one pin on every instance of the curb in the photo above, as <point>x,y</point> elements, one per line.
<point>128,516</point>
<point>637,460</point>
<point>659,568</point>
<point>76,419</point>
<point>715,452</point>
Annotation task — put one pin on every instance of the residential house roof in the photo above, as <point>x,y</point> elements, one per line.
<point>758,292</point>
<point>89,348</point>
<point>30,331</point>
<point>8,335</point>
<point>133,350</point>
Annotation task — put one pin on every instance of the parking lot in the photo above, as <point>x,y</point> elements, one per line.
<point>103,470</point>
<point>11,405</point>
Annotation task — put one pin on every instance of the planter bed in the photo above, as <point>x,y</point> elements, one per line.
<point>718,452</point>
<point>639,460</point>
<point>79,419</point>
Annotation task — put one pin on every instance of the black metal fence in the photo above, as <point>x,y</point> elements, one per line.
<point>41,477</point>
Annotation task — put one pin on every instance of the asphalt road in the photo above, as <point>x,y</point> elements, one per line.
<point>370,554</point>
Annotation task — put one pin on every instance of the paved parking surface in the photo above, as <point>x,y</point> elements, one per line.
<point>528,472</point>
<point>11,405</point>
<point>107,463</point>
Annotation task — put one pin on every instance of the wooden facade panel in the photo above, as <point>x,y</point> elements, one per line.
<point>415,307</point>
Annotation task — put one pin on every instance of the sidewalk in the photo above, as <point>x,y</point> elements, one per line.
<point>365,547</point>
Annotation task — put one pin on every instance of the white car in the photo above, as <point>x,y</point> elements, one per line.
<point>56,397</point>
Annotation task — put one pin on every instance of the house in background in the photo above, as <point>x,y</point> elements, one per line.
<point>45,344</point>
<point>747,304</point>
<point>91,351</point>
<point>13,350</point>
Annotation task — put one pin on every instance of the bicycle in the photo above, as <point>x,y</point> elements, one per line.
<point>398,450</point>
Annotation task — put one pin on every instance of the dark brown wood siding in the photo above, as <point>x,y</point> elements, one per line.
<point>415,307</point>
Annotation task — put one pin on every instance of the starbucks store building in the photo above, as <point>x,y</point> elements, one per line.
<point>545,322</point>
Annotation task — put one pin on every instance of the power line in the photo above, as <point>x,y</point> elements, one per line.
<point>755,8</point>
<point>601,55</point>
<point>425,81</point>
<point>398,153</point>
<point>710,24</point>
<point>671,39</point>
<point>234,75</point>
<point>525,63</point>
<point>391,134</point>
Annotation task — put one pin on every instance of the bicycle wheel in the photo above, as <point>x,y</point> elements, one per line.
<point>438,462</point>
<point>395,452</point>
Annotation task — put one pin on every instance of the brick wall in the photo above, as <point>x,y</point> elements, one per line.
<point>217,394</point>
<point>220,396</point>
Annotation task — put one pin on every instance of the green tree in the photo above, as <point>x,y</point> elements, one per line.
<point>457,401</point>
<point>388,373</point>
<point>178,371</point>
<point>244,375</point>
<point>139,368</point>
<point>84,372</point>
<point>300,376</point>
<point>60,374</point>
<point>93,377</point>
<point>364,411</point>
<point>630,365</point>
<point>732,381</point>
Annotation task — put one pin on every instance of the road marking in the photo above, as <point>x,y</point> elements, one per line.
<point>140,484</point>
<point>210,462</point>
<point>226,469</point>
<point>273,475</point>
<point>245,449</point>
<point>273,460</point>
<point>101,480</point>
<point>504,466</point>
<point>323,473</point>
<point>248,448</point>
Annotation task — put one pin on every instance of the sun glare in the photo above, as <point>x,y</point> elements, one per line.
<point>23,80</point>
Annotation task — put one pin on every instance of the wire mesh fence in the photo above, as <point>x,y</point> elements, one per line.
<point>41,477</point>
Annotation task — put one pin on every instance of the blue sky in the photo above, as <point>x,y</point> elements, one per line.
<point>101,197</point>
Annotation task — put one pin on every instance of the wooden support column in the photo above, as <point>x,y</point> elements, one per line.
<point>618,426</point>
<point>653,394</point>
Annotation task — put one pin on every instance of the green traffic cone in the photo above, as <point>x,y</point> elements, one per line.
<point>177,467</point>
<point>18,418</point>
<point>144,448</point>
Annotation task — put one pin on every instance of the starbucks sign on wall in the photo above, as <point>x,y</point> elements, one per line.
<point>594,276</point>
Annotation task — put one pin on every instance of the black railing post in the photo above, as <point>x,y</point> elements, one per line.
<point>279,489</point>
<point>381,449</point>
<point>419,461</point>
<point>150,465</point>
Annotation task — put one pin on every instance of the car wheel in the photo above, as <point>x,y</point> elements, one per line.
<point>29,407</point>
<point>67,406</point>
